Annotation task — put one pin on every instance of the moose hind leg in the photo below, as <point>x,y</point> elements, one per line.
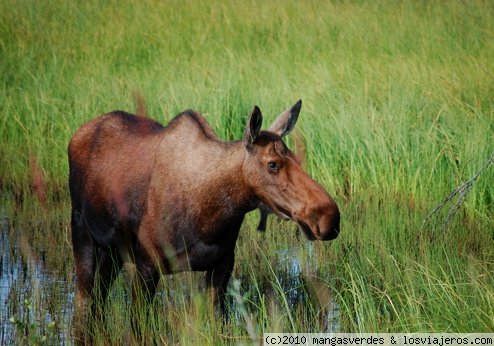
<point>85,263</point>
<point>108,265</point>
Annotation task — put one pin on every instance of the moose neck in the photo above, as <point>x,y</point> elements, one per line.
<point>222,182</point>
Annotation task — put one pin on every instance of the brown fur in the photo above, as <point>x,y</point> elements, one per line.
<point>173,198</point>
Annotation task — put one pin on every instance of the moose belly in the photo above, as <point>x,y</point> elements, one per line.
<point>202,257</point>
<point>199,254</point>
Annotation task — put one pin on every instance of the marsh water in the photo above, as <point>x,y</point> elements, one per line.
<point>25,284</point>
<point>37,284</point>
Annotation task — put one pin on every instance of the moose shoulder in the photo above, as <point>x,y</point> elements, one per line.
<point>173,198</point>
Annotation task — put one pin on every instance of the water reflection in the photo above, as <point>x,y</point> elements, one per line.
<point>31,298</point>
<point>304,288</point>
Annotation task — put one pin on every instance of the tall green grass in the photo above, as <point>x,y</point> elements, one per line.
<point>398,111</point>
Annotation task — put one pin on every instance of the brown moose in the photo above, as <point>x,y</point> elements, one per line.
<point>173,198</point>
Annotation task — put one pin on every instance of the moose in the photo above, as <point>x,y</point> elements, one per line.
<point>172,198</point>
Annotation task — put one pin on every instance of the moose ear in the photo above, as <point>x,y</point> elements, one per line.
<point>286,121</point>
<point>253,127</point>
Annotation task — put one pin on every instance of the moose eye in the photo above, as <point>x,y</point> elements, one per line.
<point>272,166</point>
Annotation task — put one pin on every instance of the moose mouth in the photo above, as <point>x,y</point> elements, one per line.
<point>282,213</point>
<point>286,215</point>
<point>307,230</point>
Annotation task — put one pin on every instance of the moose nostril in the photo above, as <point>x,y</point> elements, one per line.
<point>330,224</point>
<point>337,222</point>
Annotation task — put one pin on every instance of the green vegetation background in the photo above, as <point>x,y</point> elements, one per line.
<point>398,111</point>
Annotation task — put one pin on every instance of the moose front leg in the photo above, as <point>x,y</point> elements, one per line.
<point>264,211</point>
<point>217,281</point>
<point>144,279</point>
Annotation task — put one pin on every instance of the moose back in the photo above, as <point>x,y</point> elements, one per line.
<point>173,198</point>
